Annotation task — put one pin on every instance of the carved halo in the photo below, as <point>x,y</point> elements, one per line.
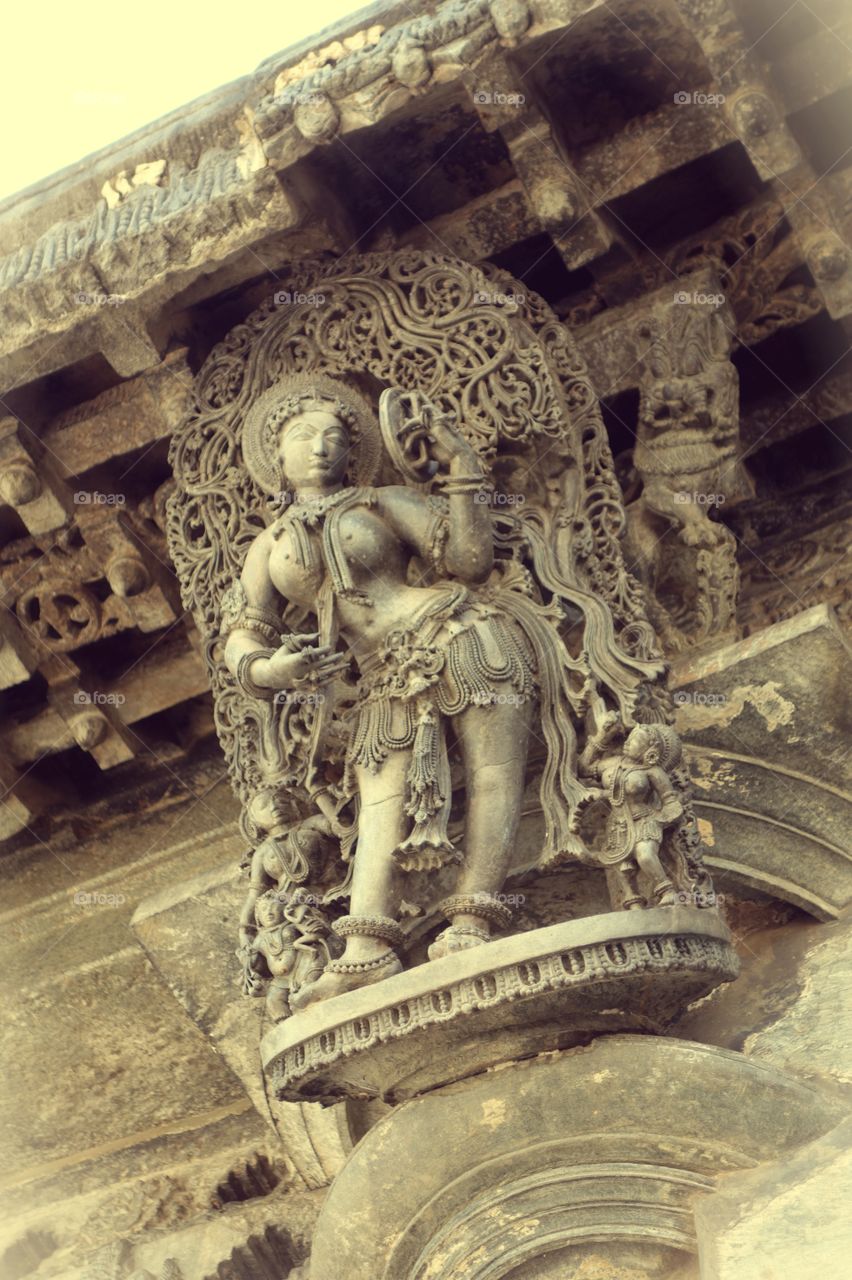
<point>283,401</point>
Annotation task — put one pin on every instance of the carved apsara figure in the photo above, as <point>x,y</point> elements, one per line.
<point>432,632</point>
<point>642,802</point>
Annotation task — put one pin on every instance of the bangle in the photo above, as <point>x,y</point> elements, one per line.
<point>245,681</point>
<point>464,484</point>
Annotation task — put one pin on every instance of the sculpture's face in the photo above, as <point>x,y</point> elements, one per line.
<point>638,743</point>
<point>268,911</point>
<point>314,450</point>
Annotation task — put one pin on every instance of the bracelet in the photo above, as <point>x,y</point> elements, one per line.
<point>245,681</point>
<point>464,484</point>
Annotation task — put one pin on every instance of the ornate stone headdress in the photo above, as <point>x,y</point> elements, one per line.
<point>666,743</point>
<point>298,393</point>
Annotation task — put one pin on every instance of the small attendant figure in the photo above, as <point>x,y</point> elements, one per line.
<point>642,802</point>
<point>282,955</point>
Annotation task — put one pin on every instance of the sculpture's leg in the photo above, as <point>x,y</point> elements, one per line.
<point>375,886</point>
<point>631,898</point>
<point>493,742</point>
<point>662,887</point>
<point>278,999</point>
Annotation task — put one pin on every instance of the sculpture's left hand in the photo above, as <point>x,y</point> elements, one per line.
<point>447,444</point>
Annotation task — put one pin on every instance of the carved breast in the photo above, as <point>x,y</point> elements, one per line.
<point>368,546</point>
<point>296,581</point>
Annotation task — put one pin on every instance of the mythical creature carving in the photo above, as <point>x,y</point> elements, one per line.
<point>397,525</point>
<point>686,456</point>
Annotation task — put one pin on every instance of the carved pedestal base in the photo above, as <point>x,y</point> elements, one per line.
<point>548,989</point>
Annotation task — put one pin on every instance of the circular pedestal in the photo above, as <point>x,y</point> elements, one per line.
<point>513,998</point>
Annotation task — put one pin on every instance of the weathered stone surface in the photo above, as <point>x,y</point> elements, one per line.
<point>530,993</point>
<point>605,191</point>
<point>767,724</point>
<point>789,1218</point>
<point>188,932</point>
<point>790,1006</point>
<point>544,1155</point>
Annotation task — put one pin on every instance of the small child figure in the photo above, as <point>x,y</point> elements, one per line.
<point>271,954</point>
<point>642,802</point>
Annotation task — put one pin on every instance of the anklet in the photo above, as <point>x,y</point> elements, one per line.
<point>361,966</point>
<point>381,927</point>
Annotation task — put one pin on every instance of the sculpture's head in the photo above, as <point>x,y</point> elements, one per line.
<point>314,446</point>
<point>641,747</point>
<point>268,911</point>
<point>310,431</point>
<point>653,744</point>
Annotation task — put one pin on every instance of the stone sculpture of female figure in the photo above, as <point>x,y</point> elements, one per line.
<point>439,647</point>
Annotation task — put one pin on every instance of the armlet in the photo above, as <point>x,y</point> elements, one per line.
<point>238,613</point>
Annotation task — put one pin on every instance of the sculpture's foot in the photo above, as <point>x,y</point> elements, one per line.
<point>457,938</point>
<point>343,975</point>
<point>664,894</point>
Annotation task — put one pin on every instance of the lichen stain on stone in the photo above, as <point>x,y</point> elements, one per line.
<point>526,1227</point>
<point>765,698</point>
<point>705,830</point>
<point>708,774</point>
<point>493,1112</point>
<point>600,1267</point>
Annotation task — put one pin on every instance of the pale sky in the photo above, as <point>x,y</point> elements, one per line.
<point>78,76</point>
